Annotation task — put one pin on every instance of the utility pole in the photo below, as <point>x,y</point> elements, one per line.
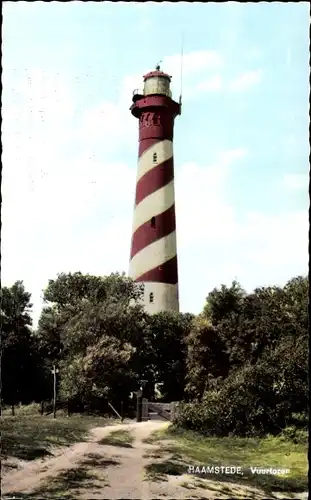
<point>139,405</point>
<point>54,371</point>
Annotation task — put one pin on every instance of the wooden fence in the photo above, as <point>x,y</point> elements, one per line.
<point>167,411</point>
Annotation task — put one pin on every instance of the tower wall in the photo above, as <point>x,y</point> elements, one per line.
<point>153,260</point>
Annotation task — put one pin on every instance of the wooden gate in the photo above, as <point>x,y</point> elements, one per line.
<point>164,411</point>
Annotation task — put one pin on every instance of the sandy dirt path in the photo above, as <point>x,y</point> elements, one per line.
<point>118,472</point>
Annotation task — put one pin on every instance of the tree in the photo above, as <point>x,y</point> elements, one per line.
<point>68,300</point>
<point>49,334</point>
<point>168,331</point>
<point>296,294</point>
<point>288,360</point>
<point>102,337</point>
<point>265,316</point>
<point>18,363</point>
<point>261,341</point>
<point>207,358</point>
<point>221,303</point>
<point>92,327</point>
<point>69,290</point>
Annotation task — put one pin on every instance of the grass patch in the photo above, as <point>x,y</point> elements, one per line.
<point>173,466</point>
<point>96,460</point>
<point>30,437</point>
<point>157,435</point>
<point>154,454</point>
<point>265,452</point>
<point>122,438</point>
<point>187,485</point>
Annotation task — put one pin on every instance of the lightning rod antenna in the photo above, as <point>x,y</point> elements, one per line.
<point>181,66</point>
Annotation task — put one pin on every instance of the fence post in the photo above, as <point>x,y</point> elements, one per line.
<point>139,405</point>
<point>173,406</point>
<point>145,409</point>
<point>54,392</point>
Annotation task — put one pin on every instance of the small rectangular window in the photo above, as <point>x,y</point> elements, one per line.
<point>154,157</point>
<point>150,297</point>
<point>153,222</point>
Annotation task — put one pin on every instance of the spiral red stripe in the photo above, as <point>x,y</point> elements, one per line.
<point>165,273</point>
<point>161,225</point>
<point>155,179</point>
<point>145,145</point>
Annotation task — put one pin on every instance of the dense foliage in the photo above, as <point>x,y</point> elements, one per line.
<point>240,366</point>
<point>248,361</point>
<point>18,347</point>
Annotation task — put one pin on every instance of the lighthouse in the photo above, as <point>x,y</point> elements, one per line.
<point>153,259</point>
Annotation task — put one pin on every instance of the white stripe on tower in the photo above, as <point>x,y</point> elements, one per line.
<point>163,150</point>
<point>155,204</point>
<point>154,255</point>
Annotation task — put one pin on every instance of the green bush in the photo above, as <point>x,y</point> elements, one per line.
<point>202,417</point>
<point>298,436</point>
<point>247,404</point>
<point>300,420</point>
<point>257,398</point>
<point>21,409</point>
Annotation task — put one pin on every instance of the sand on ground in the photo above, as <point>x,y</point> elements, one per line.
<point>121,471</point>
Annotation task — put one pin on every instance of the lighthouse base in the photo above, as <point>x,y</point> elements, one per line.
<point>160,297</point>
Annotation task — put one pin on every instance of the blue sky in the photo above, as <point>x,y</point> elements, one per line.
<point>70,143</point>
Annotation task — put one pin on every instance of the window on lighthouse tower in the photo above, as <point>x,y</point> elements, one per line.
<point>153,222</point>
<point>151,297</point>
<point>154,157</point>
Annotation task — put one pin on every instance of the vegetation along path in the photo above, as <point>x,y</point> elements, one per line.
<point>117,461</point>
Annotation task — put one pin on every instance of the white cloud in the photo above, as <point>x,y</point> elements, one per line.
<point>213,84</point>
<point>194,65</point>
<point>270,235</point>
<point>66,205</point>
<point>216,245</point>
<point>193,68</point>
<point>35,100</point>
<point>77,220</point>
<point>107,126</point>
<point>227,157</point>
<point>193,62</point>
<point>296,182</point>
<point>246,80</point>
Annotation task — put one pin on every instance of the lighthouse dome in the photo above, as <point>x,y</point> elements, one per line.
<point>157,82</point>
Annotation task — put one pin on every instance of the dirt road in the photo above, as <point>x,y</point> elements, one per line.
<point>100,471</point>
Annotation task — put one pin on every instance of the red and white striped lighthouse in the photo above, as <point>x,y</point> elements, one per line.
<point>153,260</point>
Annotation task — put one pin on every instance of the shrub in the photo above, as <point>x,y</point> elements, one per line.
<point>246,404</point>
<point>298,436</point>
<point>30,409</point>
<point>201,417</point>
